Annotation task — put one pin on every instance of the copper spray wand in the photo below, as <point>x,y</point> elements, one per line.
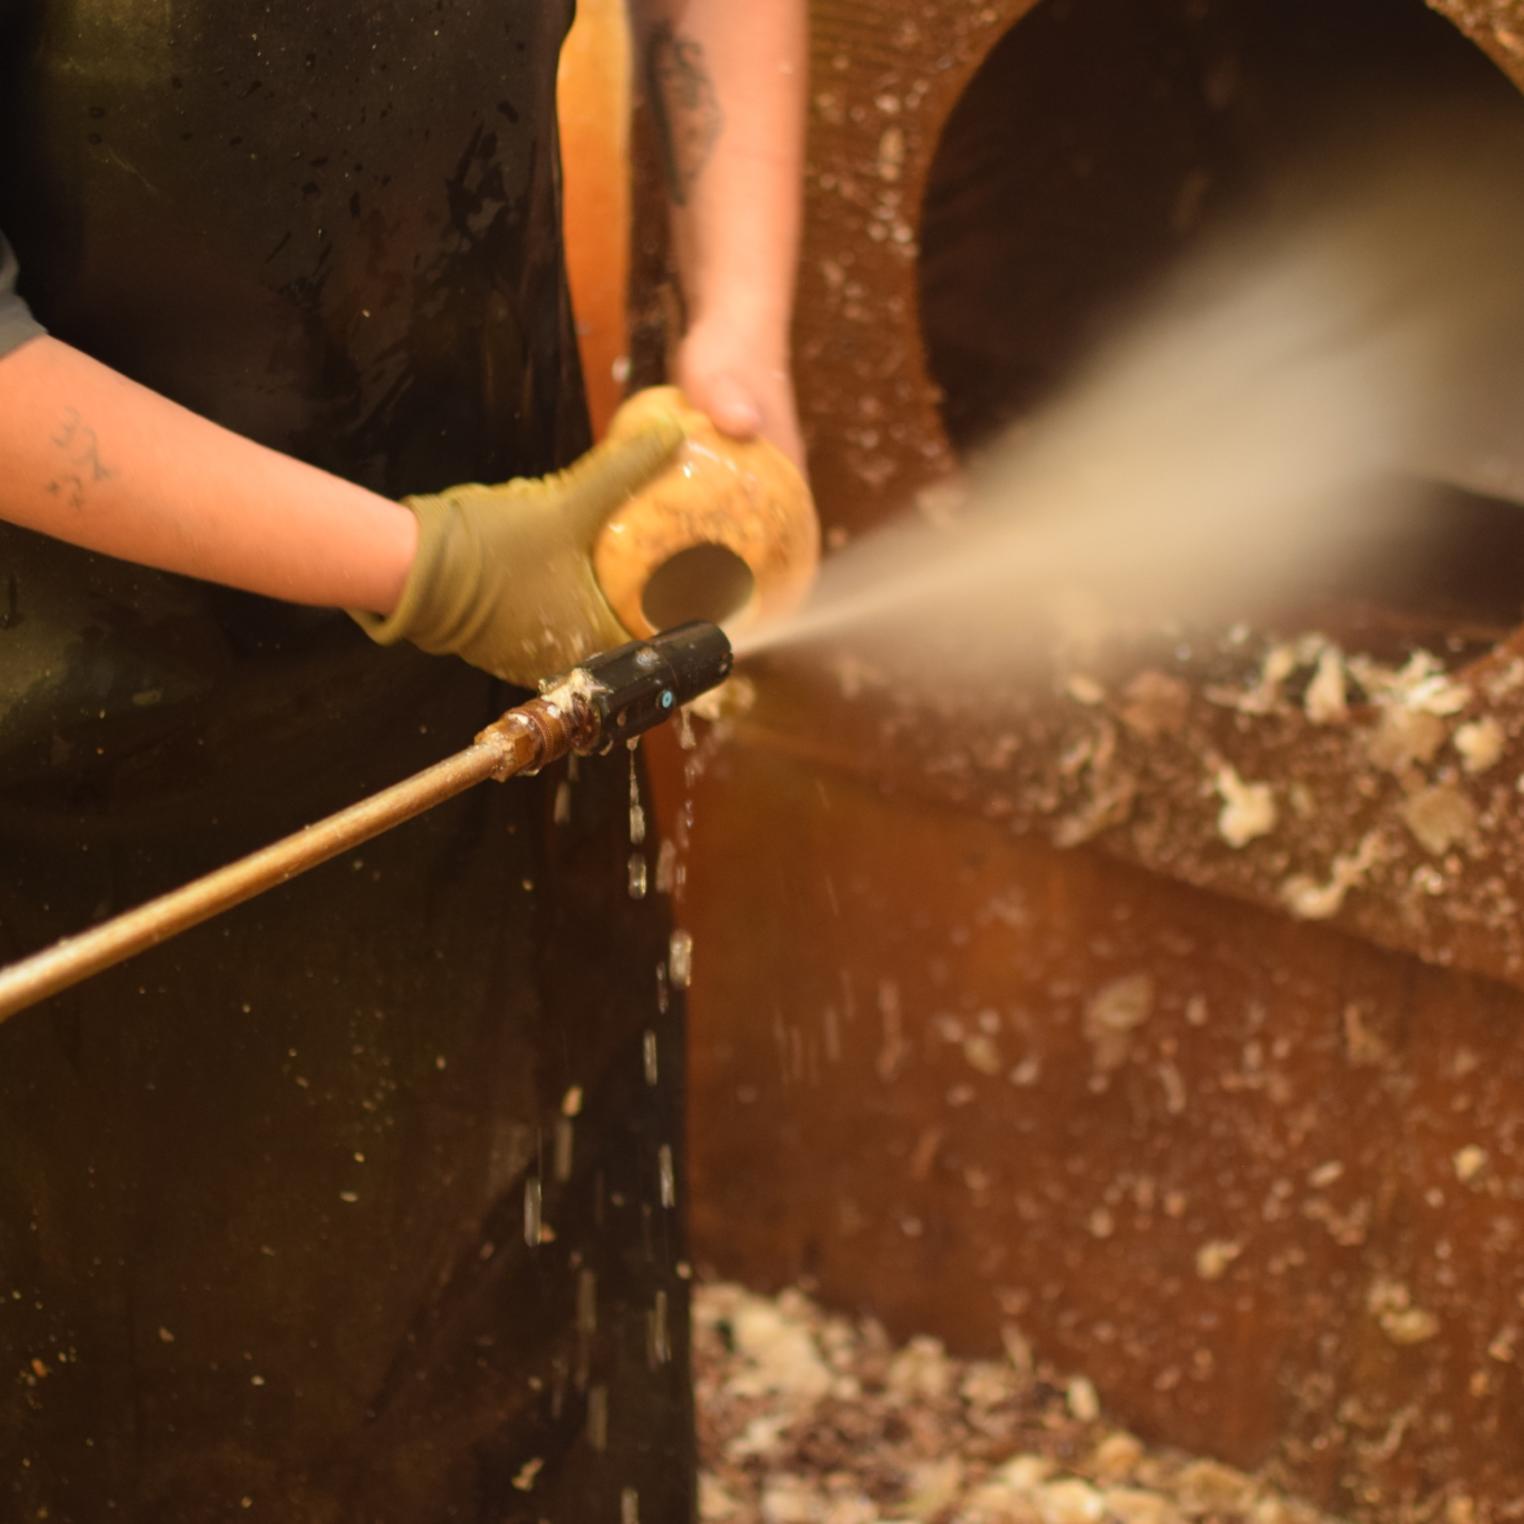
<point>610,698</point>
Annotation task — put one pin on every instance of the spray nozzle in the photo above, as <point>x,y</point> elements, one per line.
<point>636,686</point>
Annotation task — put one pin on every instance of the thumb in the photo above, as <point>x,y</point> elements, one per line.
<point>612,472</point>
<point>730,406</point>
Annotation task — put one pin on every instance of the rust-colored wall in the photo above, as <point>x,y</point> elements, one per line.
<point>905,1092</point>
<point>1277,1215</point>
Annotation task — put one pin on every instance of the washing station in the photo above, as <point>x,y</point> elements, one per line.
<point>1026,1039</point>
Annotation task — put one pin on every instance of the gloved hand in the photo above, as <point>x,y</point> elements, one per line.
<point>503,575</point>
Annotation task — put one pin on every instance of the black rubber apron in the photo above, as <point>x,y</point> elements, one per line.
<point>357,1203</point>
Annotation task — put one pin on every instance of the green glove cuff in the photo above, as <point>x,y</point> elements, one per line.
<point>421,614</point>
<point>440,585</point>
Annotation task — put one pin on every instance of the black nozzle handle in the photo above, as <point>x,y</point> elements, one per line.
<point>637,686</point>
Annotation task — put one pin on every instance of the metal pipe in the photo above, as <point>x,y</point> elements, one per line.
<point>614,696</point>
<point>76,958</point>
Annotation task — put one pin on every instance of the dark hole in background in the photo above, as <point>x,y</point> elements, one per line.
<point>1101,137</point>
<point>704,581</point>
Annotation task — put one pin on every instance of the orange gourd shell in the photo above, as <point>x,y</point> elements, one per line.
<point>743,495</point>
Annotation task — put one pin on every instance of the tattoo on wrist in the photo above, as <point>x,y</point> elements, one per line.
<point>80,466</point>
<point>688,116</point>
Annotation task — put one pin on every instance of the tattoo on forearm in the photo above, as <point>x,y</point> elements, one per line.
<point>688,116</point>
<point>80,465</point>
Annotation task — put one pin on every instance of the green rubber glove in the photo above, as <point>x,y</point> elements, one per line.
<point>503,575</point>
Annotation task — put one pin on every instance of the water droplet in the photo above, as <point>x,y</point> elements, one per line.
<point>598,1419</point>
<point>666,867</point>
<point>637,810</point>
<point>532,1211</point>
<point>587,1302</point>
<point>561,1151</point>
<point>658,1333</point>
<point>680,959</point>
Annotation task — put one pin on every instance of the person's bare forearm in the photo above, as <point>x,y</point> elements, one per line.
<point>91,457</point>
<point>725,81</point>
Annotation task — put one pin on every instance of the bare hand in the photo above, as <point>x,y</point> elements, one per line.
<point>744,387</point>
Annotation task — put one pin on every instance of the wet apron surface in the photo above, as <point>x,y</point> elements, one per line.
<point>356,1203</point>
